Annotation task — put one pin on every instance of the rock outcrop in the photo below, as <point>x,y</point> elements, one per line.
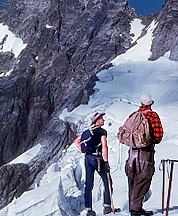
<point>166,33</point>
<point>18,177</point>
<point>14,181</point>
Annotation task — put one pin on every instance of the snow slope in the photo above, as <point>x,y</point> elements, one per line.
<point>9,42</point>
<point>117,93</point>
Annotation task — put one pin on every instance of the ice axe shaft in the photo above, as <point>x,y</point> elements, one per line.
<point>98,157</point>
<point>110,192</point>
<point>98,160</point>
<point>163,164</point>
<point>169,189</point>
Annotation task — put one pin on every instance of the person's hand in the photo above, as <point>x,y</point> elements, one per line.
<point>107,166</point>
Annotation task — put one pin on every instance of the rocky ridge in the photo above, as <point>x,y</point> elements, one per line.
<point>166,33</point>
<point>67,44</point>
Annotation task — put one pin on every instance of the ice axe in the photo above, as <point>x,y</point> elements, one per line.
<point>170,183</point>
<point>163,164</point>
<point>99,157</point>
<point>110,192</point>
<point>169,188</point>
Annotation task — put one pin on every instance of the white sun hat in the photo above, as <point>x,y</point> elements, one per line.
<point>147,99</point>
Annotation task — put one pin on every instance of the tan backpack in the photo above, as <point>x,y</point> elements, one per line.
<point>135,131</point>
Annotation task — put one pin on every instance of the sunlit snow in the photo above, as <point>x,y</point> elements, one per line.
<point>9,42</point>
<point>136,28</point>
<point>118,94</point>
<point>28,155</point>
<point>48,26</point>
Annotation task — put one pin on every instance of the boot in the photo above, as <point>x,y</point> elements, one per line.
<point>141,213</point>
<point>91,213</point>
<point>107,210</point>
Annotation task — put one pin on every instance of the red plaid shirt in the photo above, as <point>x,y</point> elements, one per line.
<point>156,129</point>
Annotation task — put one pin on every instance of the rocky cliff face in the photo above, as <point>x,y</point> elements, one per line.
<point>18,177</point>
<point>68,42</point>
<point>166,32</point>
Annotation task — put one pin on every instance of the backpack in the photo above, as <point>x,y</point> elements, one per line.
<point>88,142</point>
<point>135,132</point>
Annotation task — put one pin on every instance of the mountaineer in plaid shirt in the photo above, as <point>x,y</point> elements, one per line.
<point>140,165</point>
<point>156,129</point>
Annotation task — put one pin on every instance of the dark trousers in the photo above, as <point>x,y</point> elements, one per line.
<point>90,167</point>
<point>139,169</point>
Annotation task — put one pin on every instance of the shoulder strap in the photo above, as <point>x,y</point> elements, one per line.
<point>84,141</point>
<point>145,111</point>
<point>91,129</point>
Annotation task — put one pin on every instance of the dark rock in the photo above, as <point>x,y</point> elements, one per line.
<point>55,137</point>
<point>165,36</point>
<point>7,62</point>
<point>14,181</point>
<point>17,178</point>
<point>147,20</point>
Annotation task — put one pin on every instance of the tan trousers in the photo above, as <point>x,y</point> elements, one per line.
<point>139,169</point>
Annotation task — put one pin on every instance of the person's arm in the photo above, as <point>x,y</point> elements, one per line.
<point>77,142</point>
<point>157,130</point>
<point>104,148</point>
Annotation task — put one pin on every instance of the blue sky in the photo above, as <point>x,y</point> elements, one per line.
<point>143,7</point>
<point>1,1</point>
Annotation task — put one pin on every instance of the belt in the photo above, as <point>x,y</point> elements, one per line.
<point>143,149</point>
<point>136,149</point>
<point>91,153</point>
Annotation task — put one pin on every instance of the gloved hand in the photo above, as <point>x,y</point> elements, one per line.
<point>107,166</point>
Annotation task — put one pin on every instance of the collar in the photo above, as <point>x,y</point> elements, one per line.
<point>145,107</point>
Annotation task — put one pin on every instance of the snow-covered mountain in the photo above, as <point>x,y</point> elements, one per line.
<point>118,91</point>
<point>62,45</point>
